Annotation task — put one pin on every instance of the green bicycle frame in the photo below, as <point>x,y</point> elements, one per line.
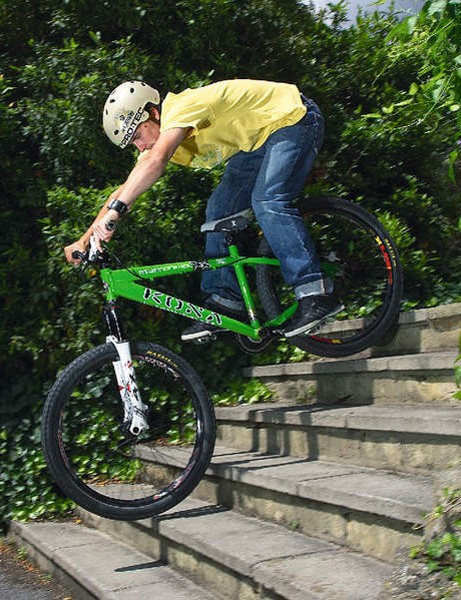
<point>128,283</point>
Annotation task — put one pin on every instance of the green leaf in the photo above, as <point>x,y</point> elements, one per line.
<point>438,89</point>
<point>437,7</point>
<point>411,24</point>
<point>458,376</point>
<point>432,566</point>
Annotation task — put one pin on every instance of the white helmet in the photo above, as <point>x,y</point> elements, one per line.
<point>125,109</point>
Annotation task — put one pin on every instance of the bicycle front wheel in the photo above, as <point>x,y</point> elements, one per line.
<point>104,468</point>
<point>358,254</point>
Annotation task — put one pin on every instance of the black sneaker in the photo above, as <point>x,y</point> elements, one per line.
<point>201,332</point>
<point>312,312</point>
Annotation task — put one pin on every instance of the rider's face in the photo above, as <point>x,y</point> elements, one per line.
<point>146,134</point>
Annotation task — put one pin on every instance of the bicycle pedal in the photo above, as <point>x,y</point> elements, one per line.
<point>314,329</point>
<point>318,327</point>
<point>206,339</point>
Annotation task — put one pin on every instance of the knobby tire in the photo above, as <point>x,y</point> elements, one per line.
<point>364,266</point>
<point>106,470</point>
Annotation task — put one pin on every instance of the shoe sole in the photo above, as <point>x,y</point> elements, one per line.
<point>314,324</point>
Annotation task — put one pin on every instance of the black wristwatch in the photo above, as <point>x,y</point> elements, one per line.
<point>118,206</point>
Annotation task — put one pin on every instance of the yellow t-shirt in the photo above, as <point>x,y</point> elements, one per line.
<point>229,116</point>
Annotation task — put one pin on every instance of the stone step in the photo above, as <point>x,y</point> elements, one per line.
<point>93,565</point>
<point>409,379</point>
<point>366,510</point>
<point>404,439</point>
<point>427,330</point>
<point>237,556</point>
<point>421,330</point>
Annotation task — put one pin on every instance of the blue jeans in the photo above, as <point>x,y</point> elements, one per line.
<point>269,179</point>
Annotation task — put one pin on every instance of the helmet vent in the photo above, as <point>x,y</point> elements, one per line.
<point>132,90</point>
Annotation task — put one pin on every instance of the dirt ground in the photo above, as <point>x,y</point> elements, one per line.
<point>21,580</point>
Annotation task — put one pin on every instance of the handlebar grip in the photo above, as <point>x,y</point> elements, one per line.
<point>111,225</point>
<point>78,254</point>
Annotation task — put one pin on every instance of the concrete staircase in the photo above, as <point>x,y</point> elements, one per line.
<point>309,497</point>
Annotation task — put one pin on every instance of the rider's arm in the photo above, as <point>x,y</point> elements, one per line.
<point>152,165</point>
<point>82,244</point>
<point>143,175</point>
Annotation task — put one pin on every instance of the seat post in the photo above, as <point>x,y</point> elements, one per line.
<point>231,238</point>
<point>243,284</point>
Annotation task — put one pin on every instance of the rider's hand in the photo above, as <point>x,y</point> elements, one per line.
<point>68,250</point>
<point>102,230</point>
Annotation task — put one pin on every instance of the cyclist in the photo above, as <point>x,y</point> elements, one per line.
<point>269,135</point>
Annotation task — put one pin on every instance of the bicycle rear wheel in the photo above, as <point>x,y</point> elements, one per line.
<point>105,469</point>
<point>357,253</point>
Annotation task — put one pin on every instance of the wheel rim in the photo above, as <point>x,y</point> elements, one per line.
<point>361,262</point>
<point>111,466</point>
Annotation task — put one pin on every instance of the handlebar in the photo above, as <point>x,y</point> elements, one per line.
<point>80,255</point>
<point>93,258</point>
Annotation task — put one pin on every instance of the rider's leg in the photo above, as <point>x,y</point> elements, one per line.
<point>289,154</point>
<point>220,286</point>
<point>232,195</point>
<point>288,158</point>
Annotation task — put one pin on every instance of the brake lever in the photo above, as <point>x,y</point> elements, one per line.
<point>93,251</point>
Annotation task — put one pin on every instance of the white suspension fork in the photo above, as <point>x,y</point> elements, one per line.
<point>134,408</point>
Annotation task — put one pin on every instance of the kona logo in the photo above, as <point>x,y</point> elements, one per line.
<point>180,307</point>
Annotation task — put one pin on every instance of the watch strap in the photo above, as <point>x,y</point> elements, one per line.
<point>118,206</point>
